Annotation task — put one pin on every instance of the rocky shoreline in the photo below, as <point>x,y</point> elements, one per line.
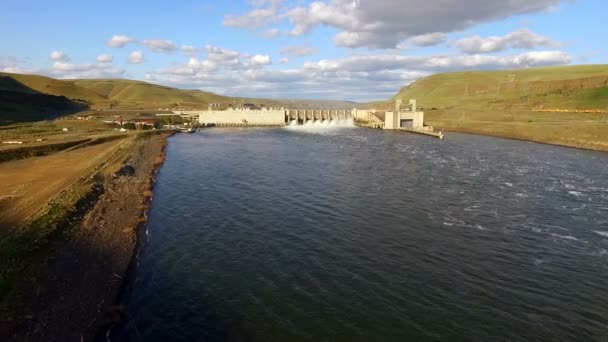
<point>71,294</point>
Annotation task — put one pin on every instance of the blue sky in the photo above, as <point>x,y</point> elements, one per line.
<point>340,49</point>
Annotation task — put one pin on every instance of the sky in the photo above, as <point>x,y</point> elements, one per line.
<point>357,50</point>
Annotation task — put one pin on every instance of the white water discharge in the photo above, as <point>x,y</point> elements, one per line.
<point>320,126</point>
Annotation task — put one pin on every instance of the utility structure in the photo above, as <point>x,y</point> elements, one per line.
<point>404,118</point>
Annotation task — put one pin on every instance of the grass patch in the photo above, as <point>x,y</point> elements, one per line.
<point>568,129</point>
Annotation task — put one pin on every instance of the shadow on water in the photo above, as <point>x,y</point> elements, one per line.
<point>136,326</point>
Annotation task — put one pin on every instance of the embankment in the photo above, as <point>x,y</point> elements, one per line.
<point>67,286</point>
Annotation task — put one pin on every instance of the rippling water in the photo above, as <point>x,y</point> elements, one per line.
<point>365,235</point>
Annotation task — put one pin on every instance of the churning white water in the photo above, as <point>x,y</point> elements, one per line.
<point>322,125</point>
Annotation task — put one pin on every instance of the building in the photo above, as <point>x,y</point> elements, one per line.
<point>407,118</point>
<point>144,122</point>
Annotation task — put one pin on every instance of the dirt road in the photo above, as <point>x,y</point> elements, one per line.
<point>27,185</point>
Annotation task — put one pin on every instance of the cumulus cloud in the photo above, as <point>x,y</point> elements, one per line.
<point>520,39</point>
<point>59,56</point>
<point>253,19</point>
<point>261,60</point>
<point>189,49</point>
<point>223,57</point>
<point>105,58</point>
<point>136,57</point>
<point>160,45</point>
<point>283,60</point>
<point>95,70</point>
<point>385,23</point>
<point>298,51</point>
<point>439,63</point>
<point>119,41</point>
<point>11,65</point>
<point>264,12</point>
<point>356,77</point>
<point>429,39</point>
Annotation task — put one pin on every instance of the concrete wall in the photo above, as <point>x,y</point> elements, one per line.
<point>367,115</point>
<point>262,117</point>
<point>392,120</point>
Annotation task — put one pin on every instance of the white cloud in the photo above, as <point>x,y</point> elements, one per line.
<point>119,41</point>
<point>105,58</point>
<point>283,60</point>
<point>96,70</point>
<point>136,57</point>
<point>298,51</point>
<point>357,77</point>
<point>429,39</point>
<point>223,57</point>
<point>263,13</point>
<point>261,60</point>
<point>520,39</point>
<point>59,56</point>
<point>385,23</point>
<point>12,65</point>
<point>160,45</point>
<point>63,69</point>
<point>189,49</point>
<point>439,63</point>
<point>253,19</point>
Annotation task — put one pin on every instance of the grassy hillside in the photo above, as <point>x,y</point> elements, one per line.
<point>118,93</point>
<point>135,94</point>
<point>568,87</point>
<point>507,103</point>
<point>20,103</point>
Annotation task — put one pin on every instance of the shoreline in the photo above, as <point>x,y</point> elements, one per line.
<point>472,131</point>
<point>124,288</point>
<point>79,276</point>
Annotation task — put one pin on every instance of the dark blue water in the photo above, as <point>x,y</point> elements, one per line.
<point>364,235</point>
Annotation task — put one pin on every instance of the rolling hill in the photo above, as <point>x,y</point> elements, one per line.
<point>118,93</point>
<point>568,87</point>
<point>565,105</point>
<point>21,103</point>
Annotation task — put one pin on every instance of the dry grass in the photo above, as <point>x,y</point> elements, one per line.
<point>588,131</point>
<point>27,185</point>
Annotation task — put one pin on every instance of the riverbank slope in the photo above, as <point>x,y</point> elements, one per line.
<point>65,267</point>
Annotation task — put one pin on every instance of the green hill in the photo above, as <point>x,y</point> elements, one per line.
<point>135,94</point>
<point>565,105</point>
<point>568,87</point>
<point>20,103</point>
<point>118,93</point>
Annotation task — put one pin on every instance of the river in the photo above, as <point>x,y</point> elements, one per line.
<point>365,235</point>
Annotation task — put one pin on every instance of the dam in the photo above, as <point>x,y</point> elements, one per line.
<point>407,118</point>
<point>269,116</point>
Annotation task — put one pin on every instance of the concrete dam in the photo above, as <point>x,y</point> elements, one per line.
<point>270,116</point>
<point>405,118</point>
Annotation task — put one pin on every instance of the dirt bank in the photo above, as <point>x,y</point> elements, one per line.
<point>70,291</point>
